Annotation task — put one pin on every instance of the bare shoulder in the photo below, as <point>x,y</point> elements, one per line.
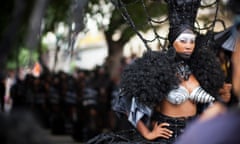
<point>212,111</point>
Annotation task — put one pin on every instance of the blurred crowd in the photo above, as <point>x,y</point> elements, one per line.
<point>78,104</point>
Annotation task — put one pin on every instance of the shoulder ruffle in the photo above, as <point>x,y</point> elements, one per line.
<point>149,78</point>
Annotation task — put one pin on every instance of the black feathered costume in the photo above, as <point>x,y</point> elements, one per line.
<point>149,79</point>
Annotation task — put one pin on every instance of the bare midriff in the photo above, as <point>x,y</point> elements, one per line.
<point>186,109</point>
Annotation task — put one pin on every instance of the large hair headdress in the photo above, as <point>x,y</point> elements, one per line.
<point>181,15</point>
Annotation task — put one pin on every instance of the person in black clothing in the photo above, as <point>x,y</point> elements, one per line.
<point>20,127</point>
<point>2,91</point>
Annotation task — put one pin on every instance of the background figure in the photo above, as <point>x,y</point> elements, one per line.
<point>235,7</point>
<point>222,45</point>
<point>236,69</point>
<point>21,128</point>
<point>2,91</point>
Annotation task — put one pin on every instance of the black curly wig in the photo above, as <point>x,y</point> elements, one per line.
<point>149,78</point>
<point>207,70</point>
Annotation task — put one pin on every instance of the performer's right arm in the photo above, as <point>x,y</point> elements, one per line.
<point>158,131</point>
<point>236,68</point>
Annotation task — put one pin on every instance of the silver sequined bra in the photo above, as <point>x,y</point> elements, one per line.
<point>181,94</point>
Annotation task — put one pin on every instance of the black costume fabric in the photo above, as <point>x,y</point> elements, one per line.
<point>177,125</point>
<point>181,15</point>
<point>227,39</point>
<point>151,77</point>
<point>132,136</point>
<point>233,5</point>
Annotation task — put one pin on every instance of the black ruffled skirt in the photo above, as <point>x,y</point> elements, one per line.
<point>132,136</point>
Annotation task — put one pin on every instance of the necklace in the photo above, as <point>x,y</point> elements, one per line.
<point>183,70</point>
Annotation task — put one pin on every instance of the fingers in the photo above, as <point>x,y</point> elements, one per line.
<point>225,92</point>
<point>164,124</point>
<point>165,136</point>
<point>162,131</point>
<point>226,98</point>
<point>228,86</point>
<point>166,133</point>
<point>161,124</point>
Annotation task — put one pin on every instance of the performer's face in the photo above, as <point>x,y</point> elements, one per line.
<point>185,44</point>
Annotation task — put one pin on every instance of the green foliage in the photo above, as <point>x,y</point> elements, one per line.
<point>140,14</point>
<point>57,11</point>
<point>135,10</point>
<point>44,48</point>
<point>23,58</point>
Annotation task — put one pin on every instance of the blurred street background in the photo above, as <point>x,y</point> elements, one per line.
<point>61,60</point>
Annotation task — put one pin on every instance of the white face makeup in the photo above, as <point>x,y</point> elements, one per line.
<point>186,37</point>
<point>185,44</point>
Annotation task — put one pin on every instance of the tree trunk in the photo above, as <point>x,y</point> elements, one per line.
<point>10,35</point>
<point>115,51</point>
<point>34,29</point>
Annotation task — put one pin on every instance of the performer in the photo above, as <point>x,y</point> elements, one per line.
<point>221,128</point>
<point>161,92</point>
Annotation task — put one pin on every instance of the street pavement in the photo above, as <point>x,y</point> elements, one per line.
<point>61,139</point>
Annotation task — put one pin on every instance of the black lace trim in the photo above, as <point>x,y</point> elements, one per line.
<point>183,70</point>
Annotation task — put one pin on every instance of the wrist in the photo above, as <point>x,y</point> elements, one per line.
<point>149,136</point>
